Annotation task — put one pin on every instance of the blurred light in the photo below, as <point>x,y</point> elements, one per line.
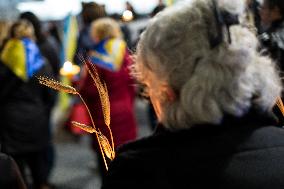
<point>127,16</point>
<point>69,69</point>
<point>67,66</point>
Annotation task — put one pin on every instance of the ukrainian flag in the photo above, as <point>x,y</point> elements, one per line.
<point>109,54</point>
<point>70,32</point>
<point>22,57</point>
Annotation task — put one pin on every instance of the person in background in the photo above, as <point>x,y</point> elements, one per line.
<point>24,110</point>
<point>45,42</point>
<point>90,12</point>
<point>50,50</point>
<point>105,32</point>
<point>10,176</point>
<point>213,94</point>
<point>52,29</point>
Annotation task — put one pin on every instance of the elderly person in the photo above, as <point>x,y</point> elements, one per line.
<point>213,94</point>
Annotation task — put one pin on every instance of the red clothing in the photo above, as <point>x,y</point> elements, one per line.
<point>121,95</point>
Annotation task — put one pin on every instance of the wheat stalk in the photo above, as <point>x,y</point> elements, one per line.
<point>99,139</point>
<point>280,105</point>
<point>84,127</point>
<point>102,139</point>
<point>56,85</point>
<point>71,90</point>
<point>106,146</point>
<point>103,93</point>
<point>104,97</point>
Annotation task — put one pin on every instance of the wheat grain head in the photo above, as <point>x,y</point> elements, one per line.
<point>84,127</point>
<point>56,85</point>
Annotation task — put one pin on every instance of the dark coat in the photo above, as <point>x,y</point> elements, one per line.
<point>24,112</point>
<point>10,176</point>
<point>239,153</point>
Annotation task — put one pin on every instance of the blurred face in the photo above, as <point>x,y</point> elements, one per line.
<point>268,15</point>
<point>156,89</point>
<point>265,13</point>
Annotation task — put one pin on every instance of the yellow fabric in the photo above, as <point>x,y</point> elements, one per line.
<point>14,57</point>
<point>70,44</point>
<point>116,48</point>
<point>71,39</point>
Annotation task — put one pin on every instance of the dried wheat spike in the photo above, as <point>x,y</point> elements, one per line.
<point>106,146</point>
<point>280,105</point>
<point>105,102</point>
<point>56,85</point>
<point>84,127</point>
<point>105,99</point>
<point>103,93</point>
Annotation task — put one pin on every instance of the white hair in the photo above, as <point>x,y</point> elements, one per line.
<point>209,82</point>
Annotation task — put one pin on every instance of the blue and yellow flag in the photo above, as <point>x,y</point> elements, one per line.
<point>22,57</point>
<point>70,32</point>
<point>109,54</point>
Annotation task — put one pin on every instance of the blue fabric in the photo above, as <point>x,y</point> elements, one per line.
<point>109,53</point>
<point>34,60</point>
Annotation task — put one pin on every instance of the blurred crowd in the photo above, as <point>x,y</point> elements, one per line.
<point>31,48</point>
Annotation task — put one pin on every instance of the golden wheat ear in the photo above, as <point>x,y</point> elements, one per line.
<point>84,127</point>
<point>104,97</point>
<point>280,105</point>
<point>102,89</point>
<point>109,152</point>
<point>56,85</point>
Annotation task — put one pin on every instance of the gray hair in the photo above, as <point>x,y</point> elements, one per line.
<point>209,82</point>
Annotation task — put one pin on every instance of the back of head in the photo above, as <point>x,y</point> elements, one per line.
<point>210,77</point>
<point>22,29</point>
<point>105,28</point>
<point>92,11</point>
<point>33,19</point>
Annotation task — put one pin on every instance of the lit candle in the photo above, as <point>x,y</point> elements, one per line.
<point>69,69</point>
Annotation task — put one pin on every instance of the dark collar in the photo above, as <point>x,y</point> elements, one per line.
<point>252,119</point>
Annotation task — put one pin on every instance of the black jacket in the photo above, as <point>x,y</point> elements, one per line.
<point>24,112</point>
<point>244,153</point>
